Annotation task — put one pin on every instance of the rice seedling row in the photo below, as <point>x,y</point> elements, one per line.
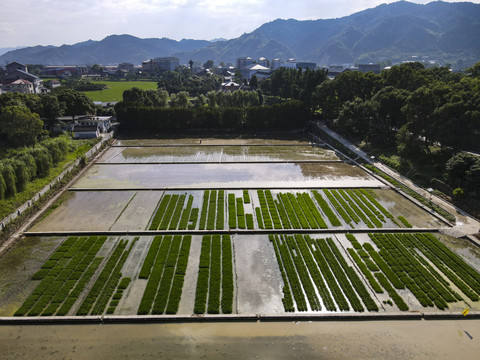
<point>186,214</point>
<point>232,211</point>
<point>164,287</point>
<point>220,224</point>
<point>370,219</point>
<point>107,281</point>
<point>212,206</point>
<point>240,213</point>
<point>203,214</point>
<point>326,208</point>
<point>214,291</point>
<point>160,213</point>
<point>66,269</point>
<point>355,213</point>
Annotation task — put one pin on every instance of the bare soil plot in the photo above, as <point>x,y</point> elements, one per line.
<point>226,140</point>
<point>203,176</point>
<point>92,210</point>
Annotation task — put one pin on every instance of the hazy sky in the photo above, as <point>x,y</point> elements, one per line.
<point>56,22</point>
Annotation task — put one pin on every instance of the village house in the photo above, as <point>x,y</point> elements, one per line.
<point>16,78</point>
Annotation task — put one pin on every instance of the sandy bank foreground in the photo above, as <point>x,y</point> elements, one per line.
<point>455,339</point>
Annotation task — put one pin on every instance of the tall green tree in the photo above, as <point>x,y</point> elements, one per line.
<point>20,125</point>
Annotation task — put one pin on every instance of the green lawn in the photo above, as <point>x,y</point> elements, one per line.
<point>116,89</point>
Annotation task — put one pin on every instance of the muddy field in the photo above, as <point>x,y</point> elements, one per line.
<point>204,176</point>
<point>217,154</point>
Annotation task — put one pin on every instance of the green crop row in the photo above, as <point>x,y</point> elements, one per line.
<point>107,282</point>
<point>155,277</point>
<point>227,273</point>
<point>273,210</point>
<point>351,213</point>
<point>298,211</point>
<point>292,275</point>
<point>340,275</point>
<point>365,209</point>
<point>267,220</point>
<point>461,274</point>
<point>397,299</point>
<point>311,209</point>
<point>150,258</point>
<point>289,218</point>
<point>157,218</point>
<point>215,277</point>
<point>258,214</point>
<point>338,207</point>
<point>164,288</point>
<point>186,214</point>
<point>371,206</point>
<point>220,210</point>
<point>193,219</point>
<point>363,268</point>
<point>287,299</point>
<point>354,206</point>
<point>203,276</point>
<point>177,213</point>
<point>422,283</point>
<point>374,201</point>
<point>283,214</point>
<point>212,207</point>
<point>329,277</point>
<point>326,209</point>
<point>304,244</point>
<point>354,279</point>
<point>165,284</point>
<point>169,212</point>
<point>240,213</point>
<point>249,220</point>
<point>203,214</point>
<point>74,256</point>
<point>405,222</point>
<point>124,282</point>
<point>246,197</point>
<point>232,212</point>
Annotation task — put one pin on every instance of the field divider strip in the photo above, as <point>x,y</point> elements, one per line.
<point>232,232</point>
<point>219,162</point>
<point>240,187</point>
<point>473,315</point>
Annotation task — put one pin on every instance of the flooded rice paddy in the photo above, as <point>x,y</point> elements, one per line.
<point>217,154</point>
<point>201,176</point>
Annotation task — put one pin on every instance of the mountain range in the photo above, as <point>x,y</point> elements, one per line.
<point>446,32</point>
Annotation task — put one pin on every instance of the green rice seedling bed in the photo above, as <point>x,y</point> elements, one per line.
<point>249,220</point>
<point>338,207</point>
<point>150,258</point>
<point>160,213</point>
<point>73,263</point>
<point>405,222</point>
<point>186,214</point>
<point>177,212</point>
<point>273,210</point>
<point>459,273</point>
<point>365,210</point>
<point>164,288</point>
<point>397,299</point>
<point>356,214</point>
<point>290,212</point>
<point>326,209</point>
<point>169,212</point>
<point>258,214</point>
<point>246,197</point>
<point>340,276</point>
<point>203,214</point>
<point>103,288</point>
<point>232,212</point>
<point>240,213</point>
<point>227,275</point>
<point>201,293</point>
<point>354,279</point>
<point>193,219</point>
<point>220,224</point>
<point>214,292</point>
<point>212,207</point>
<point>266,219</point>
<point>287,299</point>
<point>365,271</point>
